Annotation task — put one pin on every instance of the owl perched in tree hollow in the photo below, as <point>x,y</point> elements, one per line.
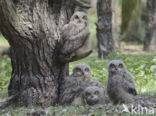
<point>74,85</point>
<point>120,85</point>
<point>77,27</point>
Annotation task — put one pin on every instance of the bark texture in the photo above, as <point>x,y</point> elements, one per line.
<point>151,23</point>
<point>104,28</point>
<point>32,28</point>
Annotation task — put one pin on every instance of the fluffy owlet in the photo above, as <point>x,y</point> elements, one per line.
<point>120,85</point>
<point>82,73</point>
<point>75,84</point>
<point>77,27</point>
<point>93,95</point>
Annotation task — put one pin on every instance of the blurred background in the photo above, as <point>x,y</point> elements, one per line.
<point>120,29</point>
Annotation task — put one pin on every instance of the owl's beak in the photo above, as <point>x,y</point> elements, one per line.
<point>83,73</point>
<point>116,69</point>
<point>79,21</point>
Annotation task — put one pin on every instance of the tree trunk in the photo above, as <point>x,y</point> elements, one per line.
<point>151,23</point>
<point>32,28</point>
<point>131,21</point>
<point>104,28</point>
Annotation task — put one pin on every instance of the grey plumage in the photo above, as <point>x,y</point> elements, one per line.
<point>120,85</point>
<point>78,23</point>
<point>96,83</point>
<point>74,85</point>
<point>78,27</point>
<point>94,95</point>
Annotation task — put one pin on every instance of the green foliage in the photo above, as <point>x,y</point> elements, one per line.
<point>5,72</point>
<point>2,39</point>
<point>142,67</point>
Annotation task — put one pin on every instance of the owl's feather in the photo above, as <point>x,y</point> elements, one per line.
<point>75,38</point>
<point>75,84</point>
<point>120,84</point>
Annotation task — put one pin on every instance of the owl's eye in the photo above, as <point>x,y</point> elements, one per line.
<point>88,94</point>
<point>84,18</point>
<point>78,70</point>
<point>76,17</point>
<point>112,66</point>
<point>120,66</point>
<point>86,70</point>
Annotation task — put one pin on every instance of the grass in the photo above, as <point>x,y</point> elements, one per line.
<point>141,66</point>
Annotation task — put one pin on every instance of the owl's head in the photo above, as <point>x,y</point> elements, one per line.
<point>79,18</point>
<point>116,66</point>
<point>92,95</point>
<point>83,72</point>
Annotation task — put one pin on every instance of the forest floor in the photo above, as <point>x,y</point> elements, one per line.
<point>96,110</point>
<point>141,64</point>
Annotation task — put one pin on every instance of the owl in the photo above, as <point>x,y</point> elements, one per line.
<point>82,73</point>
<point>120,85</point>
<point>93,95</point>
<point>96,83</point>
<point>74,84</point>
<point>77,27</point>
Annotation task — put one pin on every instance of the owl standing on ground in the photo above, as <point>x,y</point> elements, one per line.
<point>120,84</point>
<point>74,85</point>
<point>77,27</point>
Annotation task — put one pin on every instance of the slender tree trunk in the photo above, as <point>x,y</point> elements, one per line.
<point>151,23</point>
<point>32,28</point>
<point>131,20</point>
<point>104,28</point>
<point>154,30</point>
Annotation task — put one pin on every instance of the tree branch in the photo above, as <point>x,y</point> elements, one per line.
<point>75,58</point>
<point>81,4</point>
<point>9,19</point>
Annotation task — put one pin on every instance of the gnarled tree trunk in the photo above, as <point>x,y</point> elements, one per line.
<point>32,28</point>
<point>104,28</point>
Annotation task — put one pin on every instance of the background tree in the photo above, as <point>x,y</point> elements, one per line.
<point>150,19</point>
<point>104,28</point>
<point>131,20</point>
<point>39,57</point>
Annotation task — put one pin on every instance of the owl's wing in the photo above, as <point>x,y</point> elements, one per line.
<point>70,91</point>
<point>69,30</point>
<point>65,30</point>
<point>71,42</point>
<point>128,77</point>
<point>128,84</point>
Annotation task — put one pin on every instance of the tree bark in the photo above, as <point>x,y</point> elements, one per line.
<point>104,28</point>
<point>151,23</point>
<point>32,28</point>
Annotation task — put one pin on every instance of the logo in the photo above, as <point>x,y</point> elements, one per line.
<point>138,109</point>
